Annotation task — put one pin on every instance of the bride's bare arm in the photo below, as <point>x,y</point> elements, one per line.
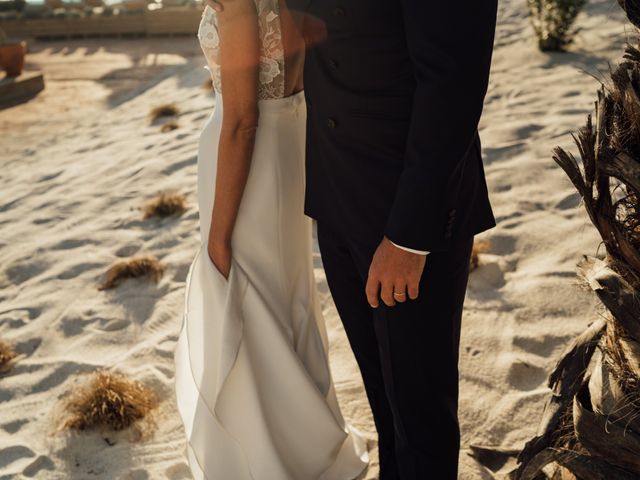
<point>239,59</point>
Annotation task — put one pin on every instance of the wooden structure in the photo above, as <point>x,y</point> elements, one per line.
<point>16,89</point>
<point>163,21</point>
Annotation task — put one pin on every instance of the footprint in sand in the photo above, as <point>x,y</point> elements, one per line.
<point>70,243</point>
<point>42,221</point>
<point>51,176</point>
<point>525,376</point>
<point>14,426</point>
<point>19,317</point>
<point>27,347</point>
<point>77,270</point>
<point>181,272</point>
<point>22,270</point>
<point>41,463</point>
<point>128,250</point>
<point>539,345</point>
<point>191,161</point>
<point>12,454</point>
<point>9,205</point>
<point>59,375</point>
<point>510,221</point>
<point>569,202</point>
<point>179,471</point>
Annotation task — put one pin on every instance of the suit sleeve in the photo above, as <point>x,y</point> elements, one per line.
<point>450,45</point>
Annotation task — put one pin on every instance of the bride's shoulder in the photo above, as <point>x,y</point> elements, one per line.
<point>207,31</point>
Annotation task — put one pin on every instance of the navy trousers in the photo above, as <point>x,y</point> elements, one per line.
<point>407,354</point>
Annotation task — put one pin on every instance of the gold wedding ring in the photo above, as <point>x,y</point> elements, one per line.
<point>395,294</point>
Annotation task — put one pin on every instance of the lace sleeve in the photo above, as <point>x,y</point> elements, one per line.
<point>210,45</point>
<point>272,51</point>
<point>271,68</point>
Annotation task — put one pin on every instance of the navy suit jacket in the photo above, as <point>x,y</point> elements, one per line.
<point>395,90</point>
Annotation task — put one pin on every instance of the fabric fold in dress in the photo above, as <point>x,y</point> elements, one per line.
<point>253,383</point>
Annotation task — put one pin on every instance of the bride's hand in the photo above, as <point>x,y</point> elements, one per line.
<point>220,255</point>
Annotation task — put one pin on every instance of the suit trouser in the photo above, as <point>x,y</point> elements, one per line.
<point>407,354</point>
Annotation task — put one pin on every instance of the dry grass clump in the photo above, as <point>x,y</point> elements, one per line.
<point>169,126</point>
<point>479,246</point>
<point>165,204</point>
<point>164,110</point>
<point>7,355</point>
<point>108,400</point>
<point>135,267</point>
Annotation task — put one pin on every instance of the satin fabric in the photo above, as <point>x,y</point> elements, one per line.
<point>253,383</point>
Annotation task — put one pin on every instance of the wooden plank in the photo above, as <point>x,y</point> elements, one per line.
<point>14,89</point>
<point>165,21</point>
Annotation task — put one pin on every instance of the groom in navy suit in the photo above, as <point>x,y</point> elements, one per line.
<point>394,92</point>
<point>395,180</point>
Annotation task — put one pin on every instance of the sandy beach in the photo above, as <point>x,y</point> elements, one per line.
<point>78,160</point>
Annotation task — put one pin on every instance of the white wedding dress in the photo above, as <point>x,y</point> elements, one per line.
<point>253,385</point>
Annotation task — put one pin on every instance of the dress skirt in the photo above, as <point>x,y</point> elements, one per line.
<point>253,384</point>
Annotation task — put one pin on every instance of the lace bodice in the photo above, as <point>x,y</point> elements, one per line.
<point>271,81</point>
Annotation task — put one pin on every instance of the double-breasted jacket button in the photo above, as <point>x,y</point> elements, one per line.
<point>333,64</point>
<point>331,123</point>
<point>338,12</point>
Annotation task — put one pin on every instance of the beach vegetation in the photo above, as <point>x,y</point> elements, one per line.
<point>134,267</point>
<point>163,110</point>
<point>110,400</point>
<point>553,22</point>
<point>165,204</point>
<point>7,355</point>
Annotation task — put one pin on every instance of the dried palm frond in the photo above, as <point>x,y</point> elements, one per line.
<point>632,7</point>
<point>591,423</point>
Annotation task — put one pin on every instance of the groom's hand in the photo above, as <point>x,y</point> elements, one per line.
<point>394,270</point>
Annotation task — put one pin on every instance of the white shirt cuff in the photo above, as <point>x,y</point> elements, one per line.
<point>419,252</point>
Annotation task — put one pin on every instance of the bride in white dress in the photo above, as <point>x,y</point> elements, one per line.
<point>253,384</point>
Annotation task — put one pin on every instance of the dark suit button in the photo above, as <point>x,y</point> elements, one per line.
<point>331,123</point>
<point>452,213</point>
<point>333,64</point>
<point>338,12</point>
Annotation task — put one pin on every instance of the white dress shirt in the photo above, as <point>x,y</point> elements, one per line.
<point>419,252</point>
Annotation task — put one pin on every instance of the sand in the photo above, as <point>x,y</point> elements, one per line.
<point>78,161</point>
